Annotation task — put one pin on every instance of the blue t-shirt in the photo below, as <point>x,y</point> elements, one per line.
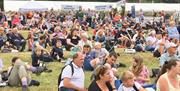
<point>89,57</point>
<point>173,32</point>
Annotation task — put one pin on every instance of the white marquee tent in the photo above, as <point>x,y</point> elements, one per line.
<point>32,6</point>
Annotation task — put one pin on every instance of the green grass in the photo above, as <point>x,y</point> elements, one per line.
<point>48,81</point>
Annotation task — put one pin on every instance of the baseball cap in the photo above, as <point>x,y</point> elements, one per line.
<point>171,44</point>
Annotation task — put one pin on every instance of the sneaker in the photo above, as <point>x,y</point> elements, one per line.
<point>3,84</point>
<point>59,60</point>
<point>24,88</point>
<point>48,71</point>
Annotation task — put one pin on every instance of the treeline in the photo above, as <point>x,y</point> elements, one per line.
<point>130,1</point>
<point>2,4</point>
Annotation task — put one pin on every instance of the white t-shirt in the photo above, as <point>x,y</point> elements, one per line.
<point>151,39</point>
<point>134,37</point>
<point>77,78</point>
<point>160,41</point>
<point>123,88</point>
<point>81,43</point>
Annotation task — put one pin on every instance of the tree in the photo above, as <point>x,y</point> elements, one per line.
<point>2,4</point>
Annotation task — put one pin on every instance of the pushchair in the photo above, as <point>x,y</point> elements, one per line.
<point>110,44</point>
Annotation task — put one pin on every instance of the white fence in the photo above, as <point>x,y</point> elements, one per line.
<point>15,5</point>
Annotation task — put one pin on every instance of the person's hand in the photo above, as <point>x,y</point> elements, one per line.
<point>48,53</point>
<point>38,62</point>
<point>82,89</point>
<point>139,78</point>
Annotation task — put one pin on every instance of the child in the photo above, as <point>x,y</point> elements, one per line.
<point>129,84</point>
<point>57,51</point>
<point>38,60</point>
<point>36,57</point>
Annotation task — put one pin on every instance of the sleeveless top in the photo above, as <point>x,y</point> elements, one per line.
<point>171,87</point>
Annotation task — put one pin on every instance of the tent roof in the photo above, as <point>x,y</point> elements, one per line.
<point>33,6</point>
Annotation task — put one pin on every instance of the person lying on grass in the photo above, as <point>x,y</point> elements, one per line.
<point>19,74</point>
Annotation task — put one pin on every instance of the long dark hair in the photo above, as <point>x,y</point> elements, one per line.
<point>72,31</point>
<point>166,66</point>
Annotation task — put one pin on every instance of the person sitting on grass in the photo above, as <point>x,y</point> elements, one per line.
<point>40,44</point>
<point>100,36</point>
<point>57,34</point>
<point>151,41</point>
<point>128,83</point>
<point>72,39</point>
<point>101,52</point>
<point>171,53</point>
<point>84,41</point>
<point>123,36</point>
<point>139,41</point>
<point>172,31</point>
<point>90,60</point>
<point>8,48</point>
<point>103,80</point>
<point>73,80</point>
<point>57,51</point>
<point>161,43</point>
<point>38,60</point>
<point>169,81</point>
<point>36,57</point>
<point>140,71</point>
<point>2,37</point>
<point>17,39</point>
<point>19,74</point>
<point>33,35</point>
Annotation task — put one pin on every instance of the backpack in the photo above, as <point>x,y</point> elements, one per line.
<point>60,79</point>
<point>135,88</point>
<point>4,74</point>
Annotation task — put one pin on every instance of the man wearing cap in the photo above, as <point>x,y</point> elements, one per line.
<point>171,53</point>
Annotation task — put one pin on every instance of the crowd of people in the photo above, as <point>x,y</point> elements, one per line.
<point>52,33</point>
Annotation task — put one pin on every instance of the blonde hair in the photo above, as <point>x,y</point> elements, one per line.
<point>84,35</point>
<point>126,76</point>
<point>172,22</point>
<point>57,28</point>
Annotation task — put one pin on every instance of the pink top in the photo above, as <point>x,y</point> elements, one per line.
<point>16,20</point>
<point>145,74</point>
<point>58,34</point>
